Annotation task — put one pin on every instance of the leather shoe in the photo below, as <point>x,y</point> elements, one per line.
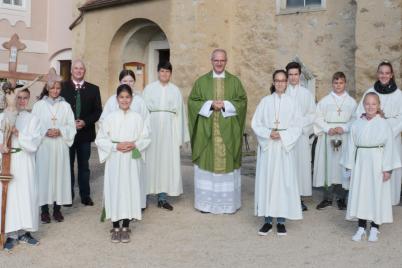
<point>87,201</point>
<point>165,205</point>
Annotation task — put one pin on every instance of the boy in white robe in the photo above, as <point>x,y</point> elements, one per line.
<point>334,114</point>
<point>275,124</point>
<point>121,141</point>
<point>22,205</point>
<point>305,100</point>
<point>169,131</point>
<point>52,159</point>
<point>372,157</point>
<point>391,105</point>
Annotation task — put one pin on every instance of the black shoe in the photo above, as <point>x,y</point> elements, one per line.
<point>204,212</point>
<point>341,204</point>
<point>265,229</point>
<point>165,205</point>
<point>304,207</point>
<point>281,229</point>
<point>324,204</point>
<point>143,209</point>
<point>45,217</point>
<point>87,201</point>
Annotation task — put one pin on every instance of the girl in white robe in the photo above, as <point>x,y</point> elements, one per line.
<point>22,205</point>
<point>276,186</point>
<point>334,114</point>
<point>391,105</point>
<point>169,131</point>
<point>138,105</point>
<point>372,157</point>
<point>52,159</point>
<point>121,141</point>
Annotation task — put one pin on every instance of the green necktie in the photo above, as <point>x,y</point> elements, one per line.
<point>78,102</point>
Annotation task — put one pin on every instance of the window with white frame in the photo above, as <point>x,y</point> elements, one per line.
<point>16,10</point>
<point>13,3</point>
<point>295,6</point>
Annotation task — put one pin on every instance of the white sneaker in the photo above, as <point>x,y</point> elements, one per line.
<point>373,234</point>
<point>360,233</point>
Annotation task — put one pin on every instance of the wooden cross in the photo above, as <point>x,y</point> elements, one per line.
<point>14,45</point>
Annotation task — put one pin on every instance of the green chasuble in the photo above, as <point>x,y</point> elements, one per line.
<point>216,141</point>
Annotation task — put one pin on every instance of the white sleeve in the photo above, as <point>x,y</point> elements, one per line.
<point>230,110</point>
<point>206,109</point>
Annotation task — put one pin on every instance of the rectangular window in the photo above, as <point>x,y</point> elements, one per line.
<point>12,3</point>
<point>302,3</point>
<point>296,6</point>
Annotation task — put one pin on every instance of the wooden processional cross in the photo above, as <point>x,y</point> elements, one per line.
<point>14,46</point>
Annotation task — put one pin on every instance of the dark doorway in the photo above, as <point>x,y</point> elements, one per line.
<point>164,55</point>
<point>65,69</point>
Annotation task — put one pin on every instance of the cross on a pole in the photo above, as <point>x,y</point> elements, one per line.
<point>14,46</point>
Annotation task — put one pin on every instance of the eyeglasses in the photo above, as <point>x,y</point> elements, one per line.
<point>280,81</point>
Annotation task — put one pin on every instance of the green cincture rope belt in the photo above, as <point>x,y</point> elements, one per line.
<point>161,111</point>
<point>368,147</point>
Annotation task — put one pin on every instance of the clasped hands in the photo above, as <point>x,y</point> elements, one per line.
<point>275,135</point>
<point>53,133</point>
<point>335,131</point>
<point>218,105</point>
<point>125,146</point>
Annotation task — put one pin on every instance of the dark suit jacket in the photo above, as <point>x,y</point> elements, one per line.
<point>91,108</point>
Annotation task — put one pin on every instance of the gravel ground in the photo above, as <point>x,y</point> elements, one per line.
<point>187,238</point>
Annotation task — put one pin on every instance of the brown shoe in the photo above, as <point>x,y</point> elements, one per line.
<point>125,235</point>
<point>45,217</point>
<point>115,235</point>
<point>58,216</point>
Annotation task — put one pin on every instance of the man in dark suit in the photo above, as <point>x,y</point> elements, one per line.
<point>85,102</point>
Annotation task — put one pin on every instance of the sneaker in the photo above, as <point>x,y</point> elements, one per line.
<point>304,207</point>
<point>58,216</point>
<point>265,229</point>
<point>10,244</point>
<point>115,235</point>
<point>373,236</point>
<point>281,229</point>
<point>27,238</point>
<point>341,204</point>
<point>45,217</point>
<point>324,204</point>
<point>360,233</point>
<point>125,235</point>
<point>165,205</point>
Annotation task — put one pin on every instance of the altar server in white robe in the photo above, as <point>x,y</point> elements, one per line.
<point>275,124</point>
<point>52,159</point>
<point>121,141</point>
<point>334,114</point>
<point>305,100</point>
<point>169,131</point>
<point>372,157</point>
<point>391,105</point>
<point>138,105</point>
<point>22,205</point>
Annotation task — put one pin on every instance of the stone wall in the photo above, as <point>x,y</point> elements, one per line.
<point>349,36</point>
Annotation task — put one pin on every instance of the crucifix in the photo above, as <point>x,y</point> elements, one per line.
<point>10,114</point>
<point>339,111</point>
<point>276,123</point>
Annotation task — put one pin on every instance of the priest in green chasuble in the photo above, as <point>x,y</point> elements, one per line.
<point>217,108</point>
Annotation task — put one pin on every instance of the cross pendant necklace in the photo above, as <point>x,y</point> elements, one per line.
<point>277,122</point>
<point>339,107</point>
<point>54,119</point>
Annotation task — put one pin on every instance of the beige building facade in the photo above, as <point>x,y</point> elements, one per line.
<point>43,26</point>
<point>324,35</point>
